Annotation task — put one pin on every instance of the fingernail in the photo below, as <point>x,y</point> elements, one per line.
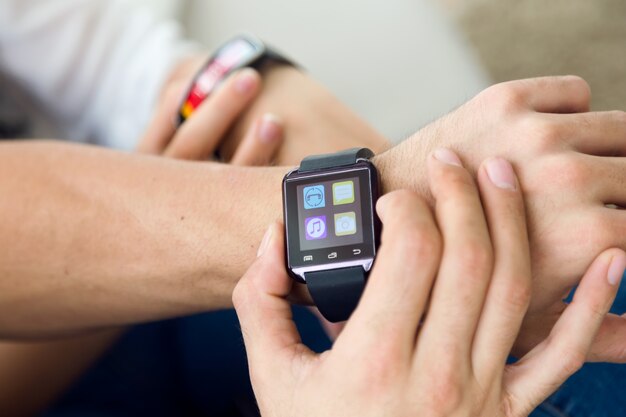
<point>447,157</point>
<point>265,242</point>
<point>270,128</point>
<point>501,173</point>
<point>616,269</point>
<point>246,81</point>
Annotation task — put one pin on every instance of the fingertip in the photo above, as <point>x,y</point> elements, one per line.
<point>447,156</point>
<point>271,276</point>
<point>381,206</point>
<point>270,129</point>
<point>246,81</point>
<point>617,266</point>
<point>395,199</point>
<point>272,242</point>
<point>500,173</point>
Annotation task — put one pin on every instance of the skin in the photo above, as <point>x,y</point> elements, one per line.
<point>315,120</point>
<point>77,261</point>
<point>571,166</point>
<point>463,255</point>
<point>53,366</point>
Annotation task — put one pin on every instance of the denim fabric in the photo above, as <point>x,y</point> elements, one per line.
<point>194,366</point>
<point>594,390</point>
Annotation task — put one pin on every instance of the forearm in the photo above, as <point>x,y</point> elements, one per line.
<point>93,237</point>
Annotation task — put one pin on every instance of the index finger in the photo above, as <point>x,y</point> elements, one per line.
<point>202,133</point>
<point>399,285</point>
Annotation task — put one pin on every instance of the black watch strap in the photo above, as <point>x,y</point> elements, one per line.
<point>333,160</point>
<point>336,292</point>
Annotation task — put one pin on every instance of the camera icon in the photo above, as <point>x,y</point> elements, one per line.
<point>345,224</point>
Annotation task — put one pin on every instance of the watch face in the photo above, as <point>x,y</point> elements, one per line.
<point>329,218</point>
<point>235,54</point>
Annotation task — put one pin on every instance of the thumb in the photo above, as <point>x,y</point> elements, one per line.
<point>266,319</point>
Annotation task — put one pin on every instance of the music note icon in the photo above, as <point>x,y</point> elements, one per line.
<point>315,227</point>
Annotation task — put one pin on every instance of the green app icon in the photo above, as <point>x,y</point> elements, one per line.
<point>343,193</point>
<point>345,223</point>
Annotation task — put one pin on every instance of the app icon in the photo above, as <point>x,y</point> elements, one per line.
<point>315,227</point>
<point>345,224</point>
<point>343,193</point>
<point>314,197</point>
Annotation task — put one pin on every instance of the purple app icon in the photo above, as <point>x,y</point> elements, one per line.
<point>315,227</point>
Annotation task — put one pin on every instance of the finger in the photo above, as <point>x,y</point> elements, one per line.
<point>560,94</point>
<point>201,134</point>
<point>261,143</point>
<point>466,266</point>
<point>162,129</point>
<point>610,343</point>
<point>269,332</point>
<point>548,365</point>
<point>597,133</point>
<point>509,292</point>
<point>392,305</point>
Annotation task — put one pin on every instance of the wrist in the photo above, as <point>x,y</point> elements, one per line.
<point>404,167</point>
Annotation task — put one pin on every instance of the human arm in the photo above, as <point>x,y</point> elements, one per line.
<point>48,368</point>
<point>92,237</point>
<point>315,120</point>
<point>571,166</point>
<point>441,311</point>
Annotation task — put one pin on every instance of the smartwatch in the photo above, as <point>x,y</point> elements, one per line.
<point>331,227</point>
<point>242,51</point>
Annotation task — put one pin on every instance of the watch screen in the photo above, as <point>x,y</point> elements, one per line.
<point>329,217</point>
<point>231,56</point>
<point>329,213</point>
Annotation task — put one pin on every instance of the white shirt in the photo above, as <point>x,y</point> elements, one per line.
<point>96,66</point>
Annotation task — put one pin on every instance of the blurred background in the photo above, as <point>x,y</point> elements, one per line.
<point>399,64</point>
<point>403,63</point>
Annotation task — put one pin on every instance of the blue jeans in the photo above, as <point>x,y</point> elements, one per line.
<point>196,366</point>
<point>594,390</point>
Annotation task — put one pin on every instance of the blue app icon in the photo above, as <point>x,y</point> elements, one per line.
<point>314,197</point>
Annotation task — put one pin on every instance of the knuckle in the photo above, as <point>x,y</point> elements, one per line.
<point>419,243</point>
<point>475,257</point>
<point>572,359</point>
<point>571,171</point>
<point>446,395</point>
<point>509,96</point>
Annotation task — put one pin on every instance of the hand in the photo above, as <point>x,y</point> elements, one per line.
<point>570,164</point>
<point>316,121</point>
<point>202,134</point>
<point>404,352</point>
